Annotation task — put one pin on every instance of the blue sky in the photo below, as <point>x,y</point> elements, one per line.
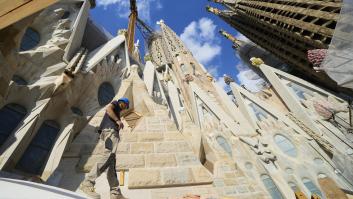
<point>188,18</point>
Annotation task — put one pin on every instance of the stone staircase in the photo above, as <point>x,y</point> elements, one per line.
<point>157,155</point>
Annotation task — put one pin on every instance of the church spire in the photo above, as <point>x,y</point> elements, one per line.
<point>213,10</point>
<point>175,46</point>
<point>222,13</point>
<point>236,42</point>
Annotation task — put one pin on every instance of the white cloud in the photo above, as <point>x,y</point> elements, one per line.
<point>241,66</point>
<point>199,37</point>
<point>251,80</point>
<point>123,7</point>
<point>207,28</point>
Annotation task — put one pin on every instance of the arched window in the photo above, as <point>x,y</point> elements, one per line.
<point>19,80</point>
<point>105,93</point>
<point>285,145</point>
<point>318,161</point>
<point>30,39</point>
<point>258,111</point>
<point>248,165</point>
<point>289,170</point>
<point>271,187</point>
<point>224,144</point>
<point>293,186</point>
<point>65,15</point>
<point>36,155</point>
<point>299,90</point>
<point>10,116</point>
<point>311,187</point>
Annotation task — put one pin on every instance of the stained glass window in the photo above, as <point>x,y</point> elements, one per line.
<point>311,187</point>
<point>19,80</point>
<point>10,116</point>
<point>285,145</point>
<point>293,186</point>
<point>224,144</point>
<point>105,93</point>
<point>258,111</point>
<point>271,187</point>
<point>36,155</point>
<point>30,39</point>
<point>299,90</point>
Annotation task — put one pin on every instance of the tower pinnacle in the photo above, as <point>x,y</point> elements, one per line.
<point>160,22</point>
<point>213,10</point>
<point>236,42</point>
<point>227,79</point>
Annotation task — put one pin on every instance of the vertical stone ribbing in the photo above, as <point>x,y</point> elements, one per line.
<point>285,49</point>
<point>312,20</point>
<point>286,28</point>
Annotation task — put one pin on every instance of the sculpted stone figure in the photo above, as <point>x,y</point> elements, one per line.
<point>260,148</point>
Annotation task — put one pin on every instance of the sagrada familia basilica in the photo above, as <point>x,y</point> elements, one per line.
<point>185,137</point>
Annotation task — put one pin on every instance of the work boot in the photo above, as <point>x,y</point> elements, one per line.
<point>87,187</point>
<point>116,194</point>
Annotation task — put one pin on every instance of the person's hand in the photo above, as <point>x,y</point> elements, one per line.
<point>120,124</point>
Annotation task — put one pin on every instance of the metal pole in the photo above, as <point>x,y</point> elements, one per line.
<point>350,112</point>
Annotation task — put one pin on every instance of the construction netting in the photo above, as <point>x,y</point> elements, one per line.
<point>338,62</point>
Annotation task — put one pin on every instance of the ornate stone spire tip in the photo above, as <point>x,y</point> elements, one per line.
<point>236,42</point>
<point>161,21</point>
<point>227,79</point>
<point>213,10</point>
<point>122,32</point>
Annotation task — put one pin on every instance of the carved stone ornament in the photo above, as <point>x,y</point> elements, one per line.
<point>209,77</point>
<point>260,148</point>
<point>213,10</point>
<point>188,78</point>
<point>227,79</point>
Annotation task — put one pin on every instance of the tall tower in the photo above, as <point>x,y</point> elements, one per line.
<point>247,50</point>
<point>288,29</point>
<point>168,50</point>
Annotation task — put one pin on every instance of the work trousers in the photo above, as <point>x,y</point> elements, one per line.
<point>109,138</point>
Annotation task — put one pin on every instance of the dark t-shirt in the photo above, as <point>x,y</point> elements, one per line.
<point>108,122</point>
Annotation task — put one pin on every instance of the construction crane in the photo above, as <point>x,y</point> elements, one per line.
<point>145,30</point>
<point>131,28</point>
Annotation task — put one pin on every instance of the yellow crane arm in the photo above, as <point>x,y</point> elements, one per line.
<point>132,26</point>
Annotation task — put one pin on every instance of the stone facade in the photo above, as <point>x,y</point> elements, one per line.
<point>183,136</point>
